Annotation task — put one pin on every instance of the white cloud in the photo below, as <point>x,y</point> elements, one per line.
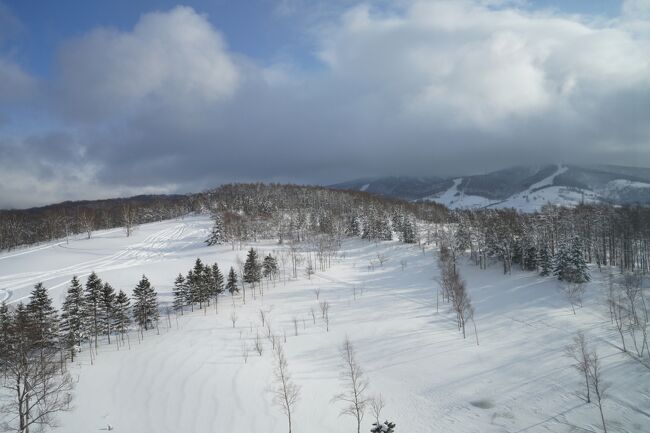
<point>170,58</point>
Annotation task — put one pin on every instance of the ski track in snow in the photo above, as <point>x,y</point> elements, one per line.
<point>191,378</point>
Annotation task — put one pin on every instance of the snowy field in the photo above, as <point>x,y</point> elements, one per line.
<point>192,377</point>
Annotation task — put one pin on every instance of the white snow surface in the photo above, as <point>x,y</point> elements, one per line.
<point>530,200</point>
<point>192,378</point>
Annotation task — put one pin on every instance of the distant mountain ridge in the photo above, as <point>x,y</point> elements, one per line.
<point>527,188</point>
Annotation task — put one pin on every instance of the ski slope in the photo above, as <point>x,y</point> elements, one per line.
<point>192,377</point>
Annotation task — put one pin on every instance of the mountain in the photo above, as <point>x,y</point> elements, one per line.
<point>527,188</point>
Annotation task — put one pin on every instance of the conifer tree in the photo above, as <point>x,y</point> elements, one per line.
<point>180,293</point>
<point>353,228</point>
<point>43,318</point>
<point>408,231</point>
<point>252,268</point>
<point>545,261</point>
<point>190,289</point>
<point>145,307</point>
<point>570,265</point>
<point>93,298</point>
<point>5,328</point>
<point>269,266</point>
<point>73,321</point>
<point>198,283</point>
<point>122,315</point>
<point>107,309</point>
<point>217,235</point>
<point>231,285</point>
<point>217,281</point>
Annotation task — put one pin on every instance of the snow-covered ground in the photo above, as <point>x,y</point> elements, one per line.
<point>531,199</point>
<point>192,378</point>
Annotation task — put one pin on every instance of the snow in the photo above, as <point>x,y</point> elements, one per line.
<point>364,187</point>
<point>530,200</point>
<point>192,378</point>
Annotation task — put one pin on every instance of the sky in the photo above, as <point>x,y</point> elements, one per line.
<point>112,98</point>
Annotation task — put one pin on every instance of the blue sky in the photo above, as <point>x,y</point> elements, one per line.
<point>109,98</point>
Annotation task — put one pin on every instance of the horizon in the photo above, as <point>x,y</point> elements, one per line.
<point>109,99</point>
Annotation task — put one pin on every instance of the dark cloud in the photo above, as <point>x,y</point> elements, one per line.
<point>423,88</point>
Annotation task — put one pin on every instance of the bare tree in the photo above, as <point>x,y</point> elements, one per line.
<point>286,393</point>
<point>317,293</point>
<point>244,351</point>
<point>263,317</point>
<point>573,293</point>
<point>295,326</point>
<point>259,346</point>
<point>128,219</point>
<point>579,351</point>
<point>377,406</point>
<point>324,306</point>
<point>313,315</point>
<point>233,317</point>
<point>38,385</point>
<point>598,385</point>
<point>355,384</point>
<point>382,258</point>
<point>86,222</point>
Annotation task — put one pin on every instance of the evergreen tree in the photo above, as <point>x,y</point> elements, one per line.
<point>5,328</point>
<point>180,293</point>
<point>122,316</point>
<point>191,295</point>
<point>43,318</point>
<point>570,264</point>
<point>73,321</point>
<point>408,231</point>
<point>252,268</point>
<point>93,298</point>
<point>231,285</point>
<point>198,283</point>
<point>207,280</point>
<point>145,307</point>
<point>107,309</point>
<point>217,235</point>
<point>270,266</point>
<point>353,228</point>
<point>385,427</point>
<point>217,281</point>
<point>545,261</point>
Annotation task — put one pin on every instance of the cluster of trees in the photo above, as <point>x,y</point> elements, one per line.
<point>291,213</point>
<point>556,240</point>
<point>629,313</point>
<point>30,226</point>
<point>454,290</point>
<point>36,342</point>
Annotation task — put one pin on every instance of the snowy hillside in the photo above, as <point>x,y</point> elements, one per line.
<point>192,378</point>
<point>526,188</point>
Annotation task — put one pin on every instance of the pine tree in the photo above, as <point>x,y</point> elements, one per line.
<point>408,231</point>
<point>73,320</point>
<point>570,264</point>
<point>5,328</point>
<point>231,285</point>
<point>107,309</point>
<point>217,235</point>
<point>145,307</point>
<point>217,281</point>
<point>353,228</point>
<point>198,283</point>
<point>190,289</point>
<point>270,266</point>
<point>385,427</point>
<point>209,287</point>
<point>252,268</point>
<point>43,317</point>
<point>545,261</point>
<point>122,316</point>
<point>93,298</point>
<point>179,293</point>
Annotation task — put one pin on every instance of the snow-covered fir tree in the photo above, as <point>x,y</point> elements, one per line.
<point>180,293</point>
<point>73,320</point>
<point>384,427</point>
<point>545,261</point>
<point>408,234</point>
<point>252,268</point>
<point>122,313</point>
<point>145,305</point>
<point>231,285</point>
<point>107,309</point>
<point>217,235</point>
<point>92,298</point>
<point>570,264</point>
<point>43,318</point>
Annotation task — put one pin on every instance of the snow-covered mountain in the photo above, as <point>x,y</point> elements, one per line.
<point>527,188</point>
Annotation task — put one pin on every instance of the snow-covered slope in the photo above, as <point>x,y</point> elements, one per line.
<point>192,377</point>
<point>524,188</point>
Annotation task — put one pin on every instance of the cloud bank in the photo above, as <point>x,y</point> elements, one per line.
<point>421,87</point>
